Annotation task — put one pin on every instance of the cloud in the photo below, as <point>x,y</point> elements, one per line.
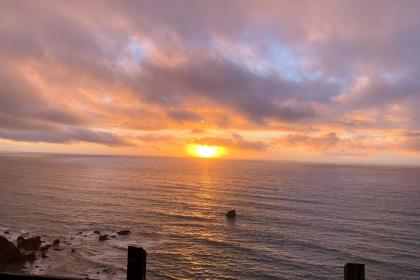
<point>65,136</point>
<point>159,66</point>
<point>182,115</point>
<point>236,141</point>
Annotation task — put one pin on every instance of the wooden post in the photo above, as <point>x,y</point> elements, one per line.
<point>354,271</point>
<point>136,263</point>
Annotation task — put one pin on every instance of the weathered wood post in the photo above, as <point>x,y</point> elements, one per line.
<point>354,271</point>
<point>136,263</point>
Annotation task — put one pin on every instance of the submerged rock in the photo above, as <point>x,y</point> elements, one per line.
<point>9,252</point>
<point>231,214</point>
<point>123,232</point>
<point>56,242</point>
<point>97,232</point>
<point>103,237</point>
<point>29,244</point>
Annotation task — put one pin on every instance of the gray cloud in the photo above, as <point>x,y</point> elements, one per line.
<point>183,115</point>
<point>65,135</point>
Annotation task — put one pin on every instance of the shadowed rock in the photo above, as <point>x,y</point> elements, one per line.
<point>97,232</point>
<point>103,237</point>
<point>123,232</point>
<point>29,244</point>
<point>45,247</point>
<point>56,242</point>
<point>9,252</point>
<point>231,214</point>
<point>30,257</point>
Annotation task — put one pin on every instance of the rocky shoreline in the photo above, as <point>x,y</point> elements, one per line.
<point>29,248</point>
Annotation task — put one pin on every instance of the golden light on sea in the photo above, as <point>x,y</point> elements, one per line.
<point>205,151</point>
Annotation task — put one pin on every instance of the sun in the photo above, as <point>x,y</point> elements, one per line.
<point>205,151</point>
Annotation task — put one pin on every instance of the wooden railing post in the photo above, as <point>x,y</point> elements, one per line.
<point>354,271</point>
<point>136,263</point>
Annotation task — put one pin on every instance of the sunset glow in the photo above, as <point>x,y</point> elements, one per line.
<point>330,88</point>
<point>205,151</point>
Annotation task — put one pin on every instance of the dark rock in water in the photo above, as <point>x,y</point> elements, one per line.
<point>73,250</point>
<point>97,232</point>
<point>123,232</point>
<point>56,242</point>
<point>30,257</point>
<point>43,255</point>
<point>58,249</point>
<point>80,232</point>
<point>103,237</point>
<point>231,214</point>
<point>9,252</point>
<point>29,244</point>
<point>6,232</point>
<point>45,247</point>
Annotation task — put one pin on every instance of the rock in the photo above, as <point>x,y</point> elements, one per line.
<point>58,249</point>
<point>9,252</point>
<point>103,237</point>
<point>45,247</point>
<point>6,232</point>
<point>123,232</point>
<point>73,250</point>
<point>97,232</point>
<point>56,242</point>
<point>231,214</point>
<point>29,244</point>
<point>30,257</point>
<point>43,255</point>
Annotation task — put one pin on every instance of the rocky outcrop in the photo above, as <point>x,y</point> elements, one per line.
<point>29,244</point>
<point>123,232</point>
<point>231,214</point>
<point>9,252</point>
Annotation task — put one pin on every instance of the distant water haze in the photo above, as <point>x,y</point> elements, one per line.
<point>294,221</point>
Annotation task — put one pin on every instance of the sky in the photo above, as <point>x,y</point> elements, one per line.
<point>287,80</point>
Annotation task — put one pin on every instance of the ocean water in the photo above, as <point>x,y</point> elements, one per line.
<point>295,221</point>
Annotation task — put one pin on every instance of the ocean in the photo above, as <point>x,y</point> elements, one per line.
<point>294,220</point>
